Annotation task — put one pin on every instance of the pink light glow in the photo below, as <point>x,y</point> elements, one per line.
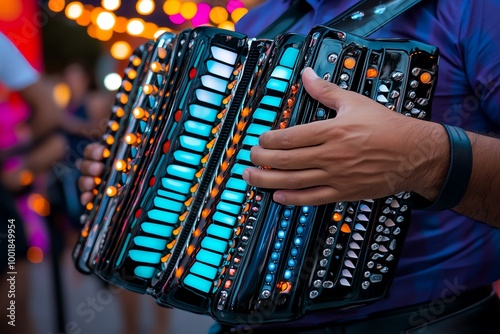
<point>202,15</point>
<point>233,4</point>
<point>177,19</point>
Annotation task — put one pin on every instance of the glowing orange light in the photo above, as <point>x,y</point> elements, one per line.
<point>54,5</point>
<point>135,26</point>
<point>238,13</point>
<point>205,213</point>
<point>178,272</point>
<point>211,143</point>
<point>111,191</point>
<point>121,50</point>
<point>205,158</point>
<point>120,165</point>
<point>183,216</point>
<point>371,73</point>
<point>190,249</point>
<point>349,63</point>
<point>26,178</point>
<point>89,206</point>
<point>145,7</point>
<point>218,14</point>
<point>103,35</point>
<point>39,205</point>
<point>188,202</point>
<point>165,258</point>
<point>228,25</point>
<point>194,188</point>
<point>172,7</point>
<point>113,125</point>
<point>171,244</point>
<point>74,10</point>
<point>196,233</point>
<point>214,192</point>
<point>119,112</point>
<point>155,66</point>
<point>121,24</point>
<point>228,284</point>
<point>123,98</point>
<point>85,232</point>
<point>35,254</point>
<point>345,228</point>
<point>111,4</point>
<point>426,78</point>
<point>147,89</point>
<point>188,10</point>
<point>106,20</point>
<point>106,153</point>
<point>177,230</point>
<point>138,112</point>
<point>130,138</point>
<point>97,180</point>
<point>109,140</point>
<point>200,173</point>
<point>337,216</point>
<point>127,85</point>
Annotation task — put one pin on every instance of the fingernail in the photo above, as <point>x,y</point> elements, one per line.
<point>309,72</point>
<point>245,175</point>
<point>279,198</point>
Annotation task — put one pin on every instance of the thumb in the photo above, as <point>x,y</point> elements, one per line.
<point>323,91</point>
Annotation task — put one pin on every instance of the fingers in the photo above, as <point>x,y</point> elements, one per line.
<point>93,152</point>
<point>92,168</point>
<point>325,92</point>
<point>311,196</point>
<point>300,158</point>
<point>278,179</point>
<point>86,197</point>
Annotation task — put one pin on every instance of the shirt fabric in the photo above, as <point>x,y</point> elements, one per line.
<point>445,253</point>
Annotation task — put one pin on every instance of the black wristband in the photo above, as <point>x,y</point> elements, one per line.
<point>458,177</point>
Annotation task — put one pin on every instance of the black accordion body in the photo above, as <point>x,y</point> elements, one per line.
<point>174,218</point>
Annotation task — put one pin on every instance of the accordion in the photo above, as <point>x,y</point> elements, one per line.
<point>172,216</point>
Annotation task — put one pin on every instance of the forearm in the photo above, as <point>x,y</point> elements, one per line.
<point>481,201</point>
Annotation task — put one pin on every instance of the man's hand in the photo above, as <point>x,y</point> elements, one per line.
<point>91,166</point>
<point>366,151</point>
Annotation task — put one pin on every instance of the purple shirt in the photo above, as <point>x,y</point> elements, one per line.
<point>445,253</point>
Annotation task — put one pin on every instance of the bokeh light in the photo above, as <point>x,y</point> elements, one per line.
<point>177,19</point>
<point>61,94</point>
<point>39,204</point>
<point>135,26</point>
<point>111,4</point>
<point>84,19</point>
<point>233,5</point>
<point>202,15</point>
<point>121,50</point>
<point>34,254</point>
<point>188,10</point>
<point>54,5</point>
<point>238,13</point>
<point>145,7</point>
<point>218,14</point>
<point>103,35</point>
<point>121,24</point>
<point>172,7</point>
<point>106,20</point>
<point>112,81</point>
<point>10,10</point>
<point>228,25</point>
<point>74,10</point>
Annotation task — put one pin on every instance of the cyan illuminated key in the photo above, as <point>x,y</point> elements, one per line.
<point>185,173</point>
<point>198,128</point>
<point>171,195</point>
<point>167,204</point>
<point>272,101</point>
<point>209,97</point>
<point>144,272</point>
<point>278,85</point>
<point>198,283</point>
<point>250,140</point>
<point>148,242</point>
<point>229,208</point>
<point>157,229</point>
<point>289,57</point>
<point>203,270</point>
<point>164,216</point>
<point>219,231</point>
<point>175,185</point>
<point>257,129</point>
<point>187,157</point>
<point>201,112</point>
<point>144,256</point>
<point>214,83</point>
<point>264,115</point>
<point>209,257</point>
<point>244,155</point>
<point>236,184</point>
<point>192,143</point>
<point>282,73</point>
<point>238,169</point>
<point>219,69</point>
<point>232,196</point>
<point>213,244</point>
<point>224,55</point>
<point>224,218</point>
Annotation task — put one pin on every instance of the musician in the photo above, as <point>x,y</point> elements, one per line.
<point>443,280</point>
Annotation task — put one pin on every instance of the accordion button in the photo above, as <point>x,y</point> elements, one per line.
<point>288,274</point>
<point>397,76</point>
<point>297,241</point>
<point>365,285</point>
<point>367,274</point>
<point>379,228</point>
<point>333,57</point>
<point>346,273</point>
<point>328,284</point>
<point>272,267</point>
<point>384,270</point>
<point>357,237</point>
<point>323,262</point>
<point>313,294</point>
<point>266,294</point>
<point>400,219</point>
<point>414,84</point>
<point>375,246</point>
<point>275,256</point>
<point>352,254</point>
<point>422,101</point>
<point>375,278</point>
<point>330,241</point>
<point>370,264</point>
<point>382,99</point>
<point>348,264</point>
<point>344,282</point>
<point>291,263</point>
<point>321,273</point>
<point>412,94</point>
<point>392,245</point>
<point>317,283</point>
<point>354,246</point>
<point>332,229</point>
<point>269,278</point>
<point>344,77</point>
<point>383,89</point>
<point>327,252</point>
<point>409,105</point>
<point>415,71</point>
<point>390,257</point>
<point>394,94</point>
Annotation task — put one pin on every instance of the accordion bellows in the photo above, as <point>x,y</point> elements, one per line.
<point>173,217</point>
